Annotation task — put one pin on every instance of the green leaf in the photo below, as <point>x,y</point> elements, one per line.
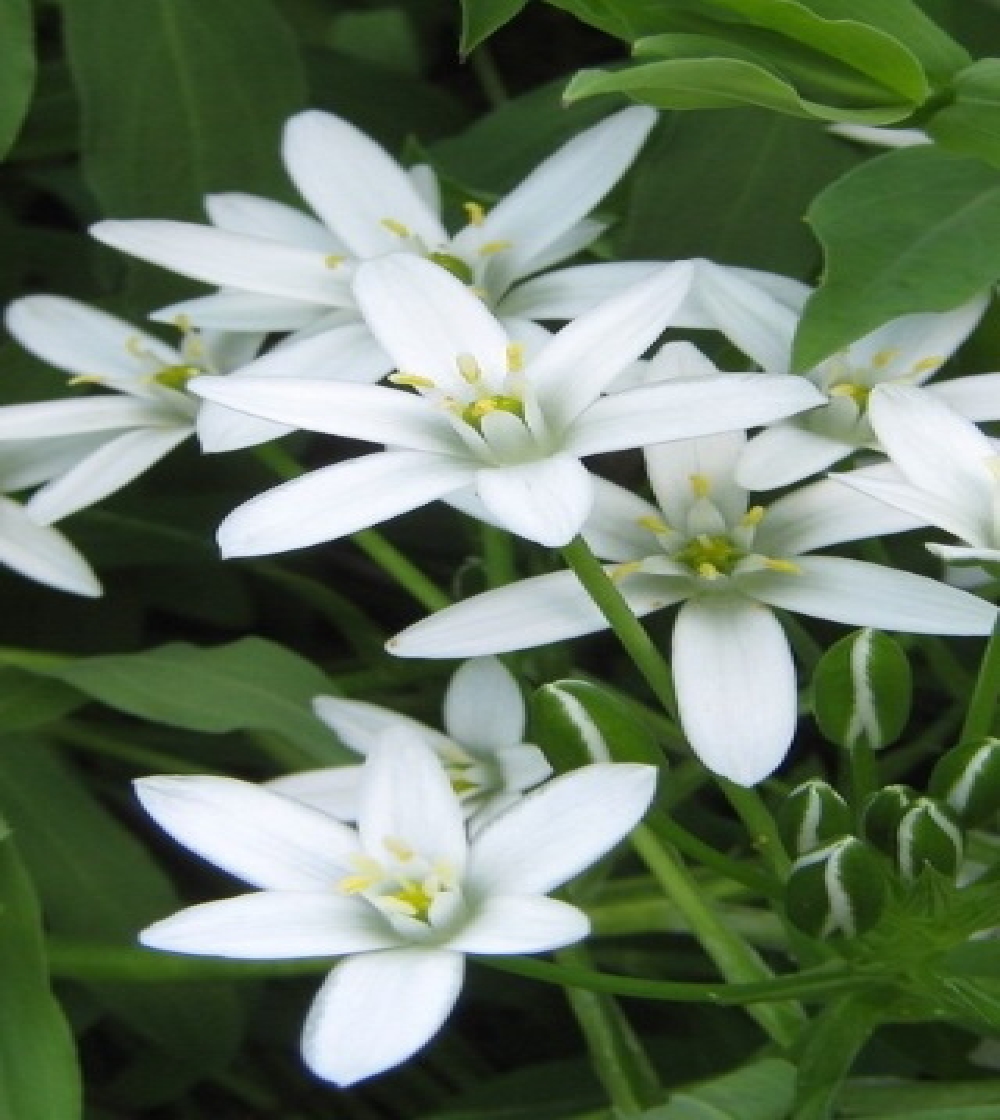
<point>761,1091</point>
<point>28,700</point>
<point>39,1077</point>
<point>250,684</point>
<point>17,67</point>
<point>480,18</point>
<point>913,230</point>
<point>970,124</point>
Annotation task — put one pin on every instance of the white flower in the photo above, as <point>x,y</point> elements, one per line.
<point>482,751</point>
<point>950,469</point>
<point>403,897</point>
<point>730,564</point>
<point>481,417</point>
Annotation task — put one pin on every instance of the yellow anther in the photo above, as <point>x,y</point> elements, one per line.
<point>753,516</point>
<point>396,227</point>
<point>785,566</point>
<point>653,523</point>
<point>175,377</point>
<point>884,357</point>
<point>853,391</point>
<point>708,571</point>
<point>86,379</point>
<point>414,380</point>
<point>928,365</point>
<point>335,260</point>
<point>475,213</point>
<point>463,785</point>
<point>455,265</point>
<point>134,346</point>
<point>993,465</point>
<point>492,247</point>
<point>398,848</point>
<point>182,323</point>
<point>620,571</point>
<point>515,357</point>
<point>469,368</point>
<point>701,485</point>
<point>355,884</point>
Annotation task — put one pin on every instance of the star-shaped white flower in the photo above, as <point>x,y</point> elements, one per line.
<point>482,417</point>
<point>402,897</point>
<point>730,564</point>
<point>482,749</point>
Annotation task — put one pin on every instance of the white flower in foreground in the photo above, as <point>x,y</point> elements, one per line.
<point>482,750</point>
<point>730,564</point>
<point>950,469</point>
<point>907,350</point>
<point>481,418</point>
<point>281,269</point>
<point>402,897</point>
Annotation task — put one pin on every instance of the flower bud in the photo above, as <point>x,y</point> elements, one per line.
<point>811,815</point>
<point>929,836</point>
<point>838,889</point>
<point>882,813</point>
<point>967,780</point>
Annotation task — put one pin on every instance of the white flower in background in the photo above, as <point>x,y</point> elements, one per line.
<point>731,565</point>
<point>950,472</point>
<point>402,897</point>
<point>907,350</point>
<point>482,418</point>
<point>280,269</point>
<point>482,750</point>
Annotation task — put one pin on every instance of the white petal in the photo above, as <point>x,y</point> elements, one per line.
<point>512,924</point>
<point>425,318</point>
<point>82,340</point>
<point>103,413</point>
<point>712,459</point>
<point>30,462</point>
<point>861,594</point>
<point>346,352</point>
<point>785,454</point>
<point>261,837</point>
<point>545,501</point>
<point>242,311</point>
<point>104,472</point>
<point>355,185</point>
<point>569,292</point>
<point>699,406</point>
<point>273,925</point>
<point>614,530</point>
<point>224,429</point>
<point>976,397</point>
<point>331,789</point>
<point>42,554</point>
<point>483,707</point>
<point>533,612</point>
<point>583,358</point>
<point>358,724</point>
<point>407,796</point>
<point>901,346</point>
<point>335,501</point>
<point>735,686</point>
<point>375,1010</point>
<point>263,217</point>
<point>567,245</point>
<point>231,260</point>
<point>560,828</point>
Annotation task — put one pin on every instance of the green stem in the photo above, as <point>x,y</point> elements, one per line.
<point>828,1052</point>
<point>759,824</point>
<point>982,706</point>
<point>864,773</point>
<point>488,77</point>
<point>141,758</point>
<point>498,556</point>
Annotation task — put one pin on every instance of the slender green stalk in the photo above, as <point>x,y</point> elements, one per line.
<point>982,706</point>
<point>864,773</point>
<point>498,556</point>
<point>488,76</point>
<point>759,824</point>
<point>86,738</point>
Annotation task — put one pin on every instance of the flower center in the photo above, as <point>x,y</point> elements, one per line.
<point>854,391</point>
<point>710,556</point>
<point>455,265</point>
<point>176,377</point>
<point>404,885</point>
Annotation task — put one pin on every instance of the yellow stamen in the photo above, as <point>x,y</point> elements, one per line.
<point>396,227</point>
<point>620,571</point>
<point>785,566</point>
<point>708,571</point>
<point>492,247</point>
<point>399,848</point>
<point>414,380</point>
<point>182,323</point>
<point>134,346</point>
<point>86,379</point>
<point>469,368</point>
<point>653,523</point>
<point>701,485</point>
<point>753,516</point>
<point>475,213</point>
<point>884,357</point>
<point>515,357</point>
<point>455,265</point>
<point>175,377</point>
<point>928,365</point>
<point>335,260</point>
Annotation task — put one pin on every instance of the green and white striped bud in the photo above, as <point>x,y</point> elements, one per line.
<point>967,780</point>
<point>861,690</point>
<point>929,836</point>
<point>811,815</point>
<point>882,814</point>
<point>837,890</point>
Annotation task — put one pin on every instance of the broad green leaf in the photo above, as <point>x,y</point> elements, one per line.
<point>974,958</point>
<point>17,67</point>
<point>39,1077</point>
<point>772,169</point>
<point>97,883</point>
<point>827,1051</point>
<point>761,1091</point>
<point>28,700</point>
<point>250,684</point>
<point>970,123</point>
<point>480,18</point>
<point>913,230</point>
<point>927,1100</point>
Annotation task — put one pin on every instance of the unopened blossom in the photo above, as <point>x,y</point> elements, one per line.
<point>482,749</point>
<point>730,564</point>
<point>401,898</point>
<point>470,413</point>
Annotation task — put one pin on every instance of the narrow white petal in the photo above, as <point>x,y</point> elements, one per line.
<point>711,459</point>
<point>354,185</point>
<point>335,501</point>
<point>346,352</point>
<point>407,796</point>
<point>375,1010</point>
<point>976,397</point>
<point>785,454</point>
<point>559,829</point>
<point>483,707</point>
<point>42,554</point>
<point>545,501</point>
<point>512,924</point>
<point>533,612</point>
<point>331,789</point>
<point>231,260</point>
<point>358,724</point>
<point>263,217</point>
<point>898,347</point>
<point>425,318</point>
<point>81,339</point>
<point>735,686</point>
<point>104,472</point>
<point>569,292</point>
<point>103,413</point>
<point>567,245</point>
<point>615,528</point>
<point>232,310</point>
<point>261,837</point>
<point>698,406</point>
<point>25,463</point>
<point>273,925</point>
<point>224,429</point>
<point>861,594</point>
